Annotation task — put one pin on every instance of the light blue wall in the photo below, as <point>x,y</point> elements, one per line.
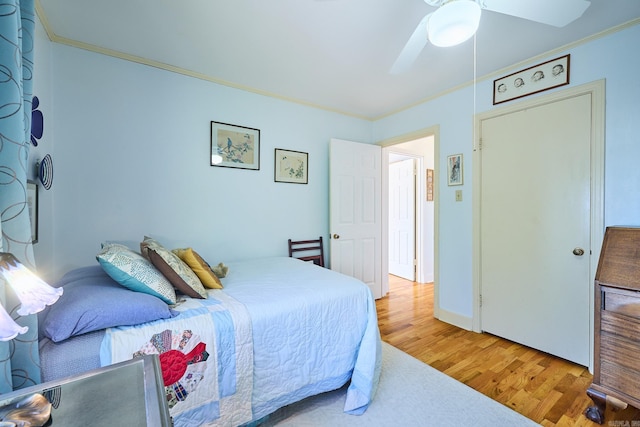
<point>132,146</point>
<point>132,159</point>
<point>43,89</point>
<point>614,58</point>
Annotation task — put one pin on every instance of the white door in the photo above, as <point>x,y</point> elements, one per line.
<point>355,211</point>
<point>402,206</point>
<point>535,213</point>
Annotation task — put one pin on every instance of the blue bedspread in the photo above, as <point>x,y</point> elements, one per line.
<point>311,330</point>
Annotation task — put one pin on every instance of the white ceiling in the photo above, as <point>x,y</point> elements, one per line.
<point>333,54</point>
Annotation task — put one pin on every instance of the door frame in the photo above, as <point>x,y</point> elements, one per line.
<point>387,147</point>
<point>597,91</point>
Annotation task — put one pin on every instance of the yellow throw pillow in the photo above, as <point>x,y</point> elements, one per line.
<point>200,267</point>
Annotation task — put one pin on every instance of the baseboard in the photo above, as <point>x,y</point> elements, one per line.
<point>427,278</point>
<point>455,319</point>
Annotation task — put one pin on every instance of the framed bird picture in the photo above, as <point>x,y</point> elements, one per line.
<point>235,146</point>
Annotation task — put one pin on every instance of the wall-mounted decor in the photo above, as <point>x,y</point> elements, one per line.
<point>429,185</point>
<point>291,166</point>
<point>37,121</point>
<point>454,169</point>
<point>44,170</point>
<point>538,78</point>
<point>238,146</point>
<point>32,205</point>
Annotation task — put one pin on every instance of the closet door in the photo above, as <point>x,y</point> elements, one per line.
<point>535,227</point>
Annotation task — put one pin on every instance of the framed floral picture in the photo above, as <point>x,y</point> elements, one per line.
<point>291,166</point>
<point>235,146</point>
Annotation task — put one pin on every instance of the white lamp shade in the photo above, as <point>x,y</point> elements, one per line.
<point>9,329</point>
<point>33,292</point>
<point>454,22</point>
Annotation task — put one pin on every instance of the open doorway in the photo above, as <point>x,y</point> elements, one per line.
<point>411,209</point>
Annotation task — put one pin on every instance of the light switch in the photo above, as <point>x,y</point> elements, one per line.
<point>458,195</point>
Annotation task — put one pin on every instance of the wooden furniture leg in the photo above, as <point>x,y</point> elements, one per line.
<point>596,412</point>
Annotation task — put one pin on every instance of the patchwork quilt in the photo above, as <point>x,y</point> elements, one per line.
<point>206,355</point>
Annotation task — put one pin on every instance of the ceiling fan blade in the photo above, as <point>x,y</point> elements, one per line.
<point>412,49</point>
<point>550,12</point>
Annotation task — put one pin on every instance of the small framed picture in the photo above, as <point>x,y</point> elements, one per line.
<point>291,166</point>
<point>541,77</point>
<point>235,146</point>
<point>32,205</point>
<point>454,169</point>
<point>429,185</point>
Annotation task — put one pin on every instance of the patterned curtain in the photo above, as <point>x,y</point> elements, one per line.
<point>19,360</point>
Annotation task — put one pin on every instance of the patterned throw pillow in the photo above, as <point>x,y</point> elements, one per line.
<point>173,268</point>
<point>200,267</point>
<point>132,271</point>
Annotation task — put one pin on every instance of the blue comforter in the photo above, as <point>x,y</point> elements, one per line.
<point>313,330</point>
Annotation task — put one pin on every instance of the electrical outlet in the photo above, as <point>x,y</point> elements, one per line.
<point>458,195</point>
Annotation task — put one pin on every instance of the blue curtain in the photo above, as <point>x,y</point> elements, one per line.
<point>19,361</point>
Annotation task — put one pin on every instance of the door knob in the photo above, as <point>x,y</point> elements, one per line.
<point>336,236</point>
<point>578,251</point>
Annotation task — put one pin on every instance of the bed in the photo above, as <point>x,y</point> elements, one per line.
<point>278,331</point>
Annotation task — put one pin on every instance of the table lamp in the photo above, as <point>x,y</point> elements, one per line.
<point>34,294</point>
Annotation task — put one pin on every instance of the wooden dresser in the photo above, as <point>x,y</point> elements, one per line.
<point>616,376</point>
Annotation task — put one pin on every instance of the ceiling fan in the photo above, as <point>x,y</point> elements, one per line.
<point>455,21</point>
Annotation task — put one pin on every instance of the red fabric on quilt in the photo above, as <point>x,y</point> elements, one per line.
<point>173,364</point>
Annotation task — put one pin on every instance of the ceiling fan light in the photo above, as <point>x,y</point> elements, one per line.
<point>454,22</point>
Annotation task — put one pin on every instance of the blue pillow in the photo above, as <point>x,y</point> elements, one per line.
<point>133,271</point>
<point>92,301</point>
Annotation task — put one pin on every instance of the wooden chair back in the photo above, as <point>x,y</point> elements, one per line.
<point>307,250</point>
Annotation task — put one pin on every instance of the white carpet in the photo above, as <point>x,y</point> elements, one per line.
<point>410,393</point>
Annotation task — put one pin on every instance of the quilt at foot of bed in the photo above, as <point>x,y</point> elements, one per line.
<point>206,355</point>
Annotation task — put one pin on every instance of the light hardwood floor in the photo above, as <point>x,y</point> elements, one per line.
<point>549,390</point>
